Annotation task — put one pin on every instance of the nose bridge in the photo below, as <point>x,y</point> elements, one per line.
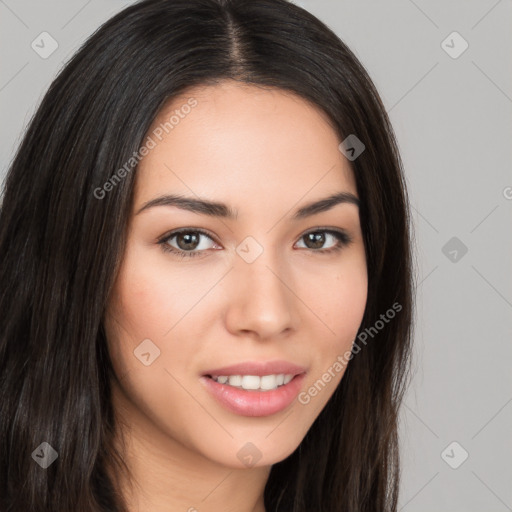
<point>262,301</point>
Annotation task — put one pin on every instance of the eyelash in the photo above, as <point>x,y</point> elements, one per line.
<point>343,240</point>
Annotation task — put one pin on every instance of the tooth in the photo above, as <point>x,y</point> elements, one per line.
<point>254,382</point>
<point>268,382</point>
<point>250,382</point>
<point>235,380</point>
<point>288,377</point>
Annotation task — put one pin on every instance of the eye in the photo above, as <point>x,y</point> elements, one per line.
<point>316,239</point>
<point>187,242</point>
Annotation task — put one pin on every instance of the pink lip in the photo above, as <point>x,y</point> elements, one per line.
<point>258,368</point>
<point>253,402</point>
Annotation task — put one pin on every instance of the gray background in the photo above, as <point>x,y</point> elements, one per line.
<point>452,119</point>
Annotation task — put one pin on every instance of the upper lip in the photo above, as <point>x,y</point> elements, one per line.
<point>258,368</point>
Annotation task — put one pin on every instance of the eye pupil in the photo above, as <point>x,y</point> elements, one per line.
<point>318,240</point>
<point>191,241</point>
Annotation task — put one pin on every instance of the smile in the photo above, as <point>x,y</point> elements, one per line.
<point>254,382</point>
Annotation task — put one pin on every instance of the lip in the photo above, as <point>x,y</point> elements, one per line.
<point>258,368</point>
<point>252,402</point>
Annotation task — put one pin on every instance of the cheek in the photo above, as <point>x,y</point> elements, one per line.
<point>136,313</point>
<point>150,297</point>
<point>154,301</point>
<point>349,301</point>
<point>145,306</point>
<point>339,298</point>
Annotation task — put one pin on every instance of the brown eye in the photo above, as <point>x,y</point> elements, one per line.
<point>187,242</point>
<point>315,240</point>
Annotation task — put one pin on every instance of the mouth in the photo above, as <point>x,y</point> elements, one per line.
<point>255,389</point>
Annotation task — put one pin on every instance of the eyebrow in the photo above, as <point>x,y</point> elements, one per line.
<point>217,209</point>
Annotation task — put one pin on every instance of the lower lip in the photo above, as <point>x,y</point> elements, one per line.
<point>253,402</point>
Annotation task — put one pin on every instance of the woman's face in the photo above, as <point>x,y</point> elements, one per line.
<point>252,289</point>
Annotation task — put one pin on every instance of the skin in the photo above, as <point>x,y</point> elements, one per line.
<point>265,152</point>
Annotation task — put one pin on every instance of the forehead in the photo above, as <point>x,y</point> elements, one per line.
<point>238,140</point>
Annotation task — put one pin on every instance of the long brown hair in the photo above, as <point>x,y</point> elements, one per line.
<point>61,246</point>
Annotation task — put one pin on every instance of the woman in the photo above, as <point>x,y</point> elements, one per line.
<point>206,279</point>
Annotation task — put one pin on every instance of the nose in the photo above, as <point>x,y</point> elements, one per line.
<point>261,299</point>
